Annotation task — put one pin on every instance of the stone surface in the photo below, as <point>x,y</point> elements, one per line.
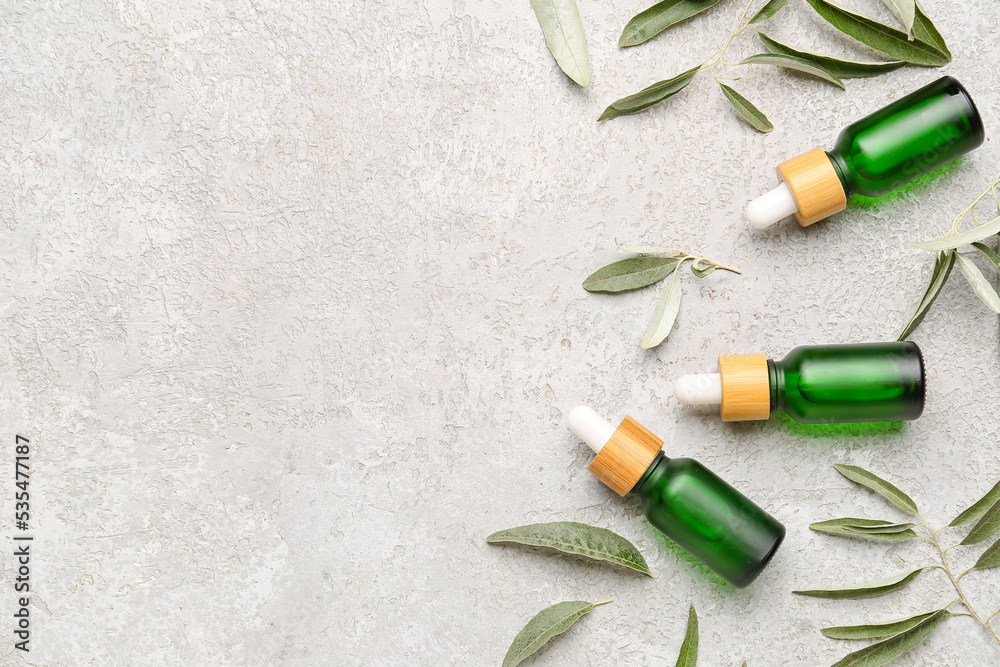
<point>291,311</point>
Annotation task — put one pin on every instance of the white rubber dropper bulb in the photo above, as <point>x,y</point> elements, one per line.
<point>590,427</point>
<point>770,207</point>
<point>699,389</point>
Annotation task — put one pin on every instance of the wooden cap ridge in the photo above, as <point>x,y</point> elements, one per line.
<point>815,186</point>
<point>626,456</point>
<point>746,387</point>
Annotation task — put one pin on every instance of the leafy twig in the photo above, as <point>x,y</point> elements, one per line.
<point>920,45</point>
<point>956,581</point>
<point>908,633</point>
<point>947,255</point>
<point>652,266</point>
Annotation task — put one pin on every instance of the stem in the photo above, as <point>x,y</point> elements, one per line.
<point>602,602</point>
<point>716,58</point>
<point>724,267</point>
<point>955,580</point>
<point>970,209</point>
<point>675,252</point>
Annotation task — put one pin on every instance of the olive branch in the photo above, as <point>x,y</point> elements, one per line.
<point>899,636</point>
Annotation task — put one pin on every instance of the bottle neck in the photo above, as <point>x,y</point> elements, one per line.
<point>844,172</point>
<point>654,473</point>
<point>776,379</point>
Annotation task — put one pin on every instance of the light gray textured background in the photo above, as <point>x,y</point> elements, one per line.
<point>291,311</point>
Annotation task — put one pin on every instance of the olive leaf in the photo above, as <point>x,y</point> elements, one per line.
<point>870,589</point>
<point>986,527</point>
<point>768,10</point>
<point>572,537</point>
<point>545,625</point>
<point>689,648</point>
<point>905,11</point>
<point>665,313</point>
<point>943,264</point>
<point>647,24</point>
<point>990,557</point>
<point>873,528</point>
<point>874,630</point>
<point>880,36</point>
<point>630,274</point>
<point>925,31</point>
<point>795,63</point>
<point>879,486</point>
<point>985,230</point>
<point>982,287</point>
<point>842,69</point>
<point>649,96</point>
<point>563,30</point>
<point>883,530</point>
<point>747,110</point>
<point>989,254</point>
<point>978,508</point>
<point>641,271</point>
<point>890,649</point>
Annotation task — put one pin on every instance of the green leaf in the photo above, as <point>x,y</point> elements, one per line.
<point>986,527</point>
<point>576,538</point>
<point>651,22</point>
<point>689,649</point>
<point>905,11</point>
<point>874,631</point>
<point>982,287</point>
<point>768,10</point>
<point>873,528</point>
<point>977,509</point>
<point>649,96</point>
<point>989,254</point>
<point>883,530</point>
<point>563,30</point>
<point>870,589</point>
<point>861,524</point>
<point>842,69</point>
<point>978,234</point>
<point>890,649</point>
<point>747,110</point>
<point>880,37</point>
<point>943,264</point>
<point>629,274</point>
<point>925,31</point>
<point>545,625</point>
<point>990,557</point>
<point>795,63</point>
<point>665,314</point>
<point>879,486</point>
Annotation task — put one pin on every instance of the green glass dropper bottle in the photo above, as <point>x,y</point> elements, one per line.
<point>685,500</point>
<point>821,384</point>
<point>875,155</point>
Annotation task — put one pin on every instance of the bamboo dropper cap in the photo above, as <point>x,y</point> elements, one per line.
<point>808,188</point>
<point>623,454</point>
<point>746,387</point>
<point>815,186</point>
